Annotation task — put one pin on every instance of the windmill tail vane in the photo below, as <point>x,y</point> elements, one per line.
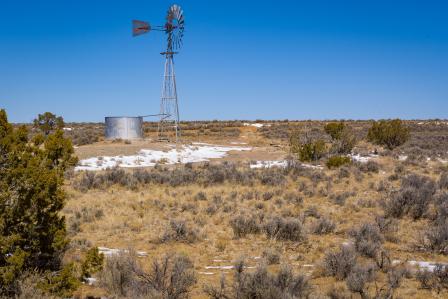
<point>140,27</point>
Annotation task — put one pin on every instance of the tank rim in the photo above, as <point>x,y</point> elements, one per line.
<point>123,117</point>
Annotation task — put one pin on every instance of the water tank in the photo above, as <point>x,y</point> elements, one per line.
<point>124,127</point>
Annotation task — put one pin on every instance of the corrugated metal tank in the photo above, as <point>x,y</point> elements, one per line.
<point>123,127</point>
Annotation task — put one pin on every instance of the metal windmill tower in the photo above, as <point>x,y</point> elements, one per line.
<point>169,108</point>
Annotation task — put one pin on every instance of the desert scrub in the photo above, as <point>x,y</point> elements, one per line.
<point>338,161</point>
<point>340,263</point>
<point>271,256</point>
<point>341,198</point>
<point>285,229</point>
<point>367,239</point>
<point>433,280</point>
<point>323,226</point>
<point>309,151</point>
<point>435,239</point>
<point>342,137</point>
<point>334,129</point>
<point>389,133</point>
<point>243,225</point>
<point>261,284</point>
<point>369,167</point>
<point>413,198</point>
<point>172,276</point>
<point>180,231</point>
<point>205,175</point>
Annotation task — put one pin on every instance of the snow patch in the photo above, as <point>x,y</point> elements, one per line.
<point>423,265</point>
<point>362,159</point>
<point>257,125</point>
<point>90,281</point>
<point>67,129</point>
<point>220,267</point>
<point>198,152</point>
<point>269,164</point>
<point>206,273</point>
<point>311,166</point>
<point>226,267</point>
<point>280,163</point>
<point>402,158</point>
<point>430,266</point>
<point>108,252</point>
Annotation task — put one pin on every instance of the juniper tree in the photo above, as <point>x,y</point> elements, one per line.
<point>389,133</point>
<point>48,122</point>
<point>32,231</point>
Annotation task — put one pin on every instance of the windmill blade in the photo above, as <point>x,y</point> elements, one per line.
<point>175,26</point>
<point>140,27</point>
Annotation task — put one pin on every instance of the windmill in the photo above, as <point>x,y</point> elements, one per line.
<point>169,108</point>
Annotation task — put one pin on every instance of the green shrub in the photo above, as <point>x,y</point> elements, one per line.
<point>346,143</point>
<point>335,129</point>
<point>338,161</point>
<point>32,232</point>
<point>307,150</point>
<point>343,138</point>
<point>62,283</point>
<point>388,133</point>
<point>312,151</point>
<point>93,262</point>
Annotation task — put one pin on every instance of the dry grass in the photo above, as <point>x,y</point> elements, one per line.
<point>138,217</point>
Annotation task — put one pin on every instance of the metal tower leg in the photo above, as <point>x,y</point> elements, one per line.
<point>169,108</point>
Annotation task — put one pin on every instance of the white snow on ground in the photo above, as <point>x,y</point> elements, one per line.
<point>257,125</point>
<point>219,267</point>
<point>429,266</point>
<point>226,267</point>
<point>198,152</point>
<point>269,164</point>
<point>280,163</point>
<point>67,129</point>
<point>362,159</point>
<point>91,281</point>
<point>311,166</point>
<point>108,252</point>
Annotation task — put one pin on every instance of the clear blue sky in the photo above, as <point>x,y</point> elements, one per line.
<point>240,60</point>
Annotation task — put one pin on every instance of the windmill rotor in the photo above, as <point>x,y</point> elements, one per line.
<point>174,27</point>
